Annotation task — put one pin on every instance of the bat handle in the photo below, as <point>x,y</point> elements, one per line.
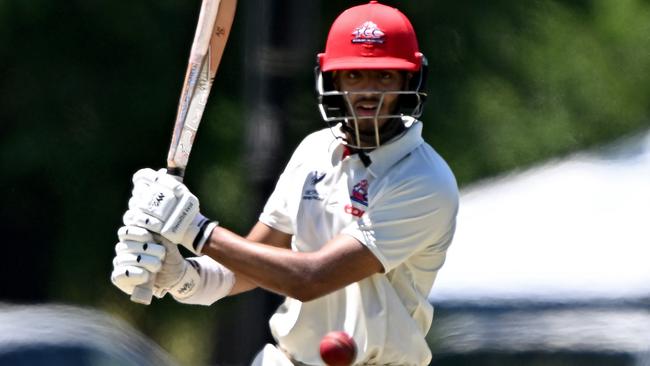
<point>142,294</point>
<point>176,172</point>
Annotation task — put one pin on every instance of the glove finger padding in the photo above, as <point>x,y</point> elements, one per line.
<point>136,257</point>
<point>135,261</point>
<point>126,278</point>
<point>136,247</point>
<point>147,262</point>
<point>135,233</point>
<point>146,174</point>
<point>142,220</point>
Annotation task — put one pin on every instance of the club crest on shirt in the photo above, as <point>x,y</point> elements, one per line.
<point>359,199</point>
<point>368,33</point>
<point>360,192</point>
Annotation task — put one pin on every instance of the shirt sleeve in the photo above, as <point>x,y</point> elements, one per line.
<point>402,221</point>
<point>277,212</point>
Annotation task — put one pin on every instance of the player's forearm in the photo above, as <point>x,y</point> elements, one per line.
<point>242,284</point>
<point>260,233</point>
<point>276,269</point>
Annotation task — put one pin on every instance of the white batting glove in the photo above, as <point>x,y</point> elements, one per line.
<point>163,205</point>
<point>138,257</point>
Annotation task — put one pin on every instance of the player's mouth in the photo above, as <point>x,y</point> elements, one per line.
<point>366,108</point>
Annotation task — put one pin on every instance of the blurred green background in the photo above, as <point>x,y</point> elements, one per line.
<point>88,95</point>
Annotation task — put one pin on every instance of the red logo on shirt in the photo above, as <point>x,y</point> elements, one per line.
<point>349,209</point>
<point>360,192</point>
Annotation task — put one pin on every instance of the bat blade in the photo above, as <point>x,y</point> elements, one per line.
<point>205,58</point>
<point>212,31</point>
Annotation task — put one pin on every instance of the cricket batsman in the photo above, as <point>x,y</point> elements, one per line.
<point>353,234</point>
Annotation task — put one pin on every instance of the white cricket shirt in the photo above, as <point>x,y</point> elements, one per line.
<point>402,207</point>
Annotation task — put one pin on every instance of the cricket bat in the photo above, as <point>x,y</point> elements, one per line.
<point>212,31</point>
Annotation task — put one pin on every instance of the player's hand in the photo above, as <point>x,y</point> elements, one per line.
<point>163,205</point>
<point>138,256</point>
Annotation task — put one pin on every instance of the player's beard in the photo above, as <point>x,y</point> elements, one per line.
<point>369,124</point>
<point>367,136</point>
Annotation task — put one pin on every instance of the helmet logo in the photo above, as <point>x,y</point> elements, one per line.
<point>368,33</point>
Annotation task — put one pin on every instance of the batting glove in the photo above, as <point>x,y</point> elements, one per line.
<point>162,204</point>
<point>138,257</point>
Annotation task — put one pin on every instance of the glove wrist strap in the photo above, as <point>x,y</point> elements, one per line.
<point>203,235</point>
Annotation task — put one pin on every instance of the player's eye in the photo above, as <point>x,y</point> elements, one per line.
<point>388,77</point>
<point>353,75</point>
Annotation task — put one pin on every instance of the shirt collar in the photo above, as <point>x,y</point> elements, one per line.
<point>387,155</point>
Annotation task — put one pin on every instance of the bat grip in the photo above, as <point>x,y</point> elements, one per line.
<point>177,172</point>
<point>142,294</point>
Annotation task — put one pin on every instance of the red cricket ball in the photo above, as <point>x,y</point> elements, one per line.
<point>338,349</point>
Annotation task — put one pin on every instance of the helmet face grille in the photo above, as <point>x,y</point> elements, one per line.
<point>372,36</point>
<point>337,112</point>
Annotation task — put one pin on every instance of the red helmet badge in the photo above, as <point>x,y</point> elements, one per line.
<point>369,33</point>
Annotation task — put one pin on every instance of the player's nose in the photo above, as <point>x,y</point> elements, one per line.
<point>371,83</point>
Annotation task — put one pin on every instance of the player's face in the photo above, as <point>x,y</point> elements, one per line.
<point>365,87</point>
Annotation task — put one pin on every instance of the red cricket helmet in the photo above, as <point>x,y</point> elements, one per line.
<point>371,36</point>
